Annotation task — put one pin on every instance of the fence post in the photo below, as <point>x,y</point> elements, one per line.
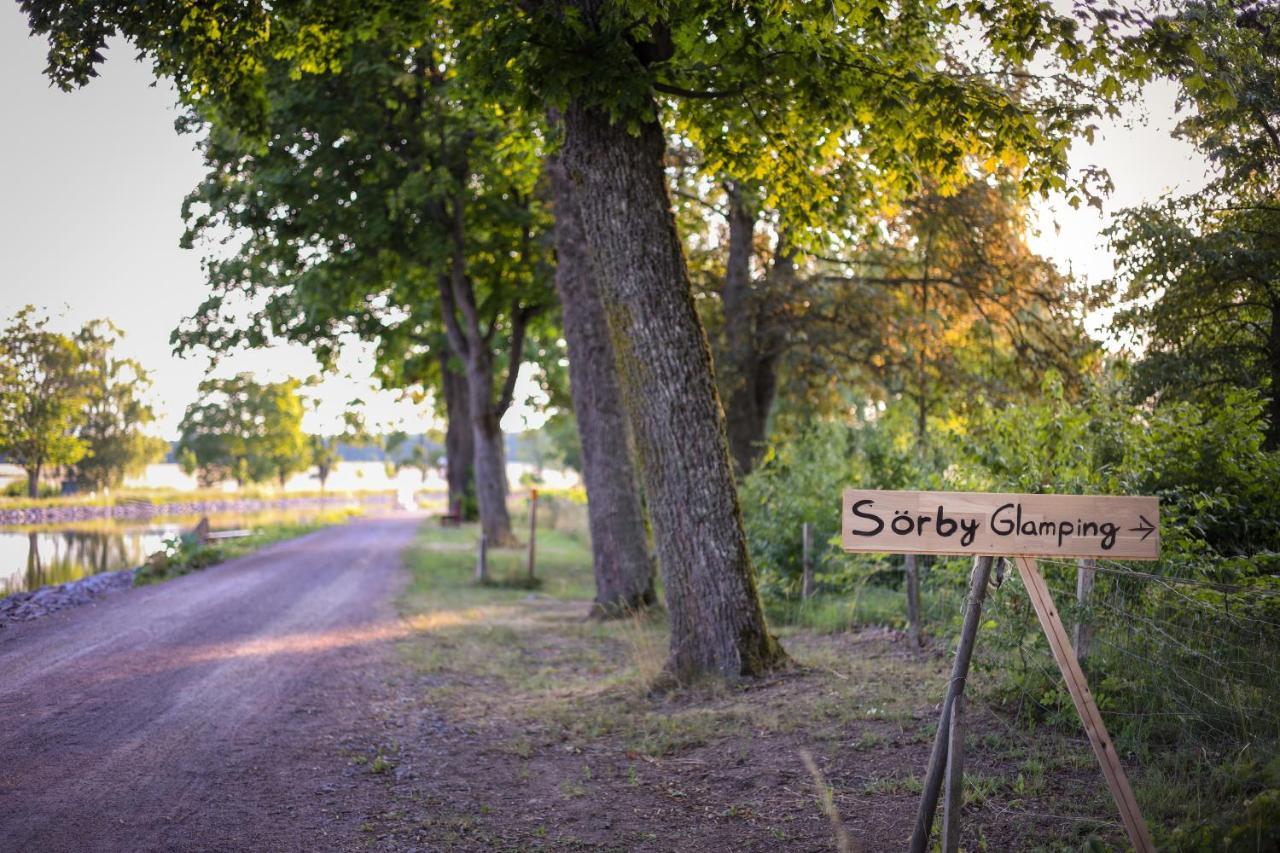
<point>533,527</point>
<point>482,560</point>
<point>913,599</point>
<point>1085,572</point>
<point>806,542</point>
<point>978,578</point>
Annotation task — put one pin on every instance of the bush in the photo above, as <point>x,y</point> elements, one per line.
<point>18,489</point>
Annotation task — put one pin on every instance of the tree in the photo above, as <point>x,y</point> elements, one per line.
<point>411,222</point>
<point>324,457</point>
<point>1203,270</point>
<point>326,451</point>
<point>42,396</point>
<point>759,87</point>
<point>114,412</point>
<point>242,430</point>
<point>280,443</point>
<point>950,303</point>
<point>624,571</point>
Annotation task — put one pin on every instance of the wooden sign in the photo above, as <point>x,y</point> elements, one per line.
<point>1005,524</point>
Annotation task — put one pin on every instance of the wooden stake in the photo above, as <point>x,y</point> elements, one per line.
<point>1078,687</point>
<point>955,687</point>
<point>482,560</point>
<point>1085,571</point>
<point>533,527</point>
<point>806,544</point>
<point>912,564</point>
<point>953,801</point>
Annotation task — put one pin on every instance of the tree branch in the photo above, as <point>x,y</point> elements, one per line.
<point>515,354</point>
<point>681,92</point>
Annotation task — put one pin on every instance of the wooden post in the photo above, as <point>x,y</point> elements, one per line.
<point>953,801</point>
<point>978,578</point>
<point>911,563</point>
<point>806,544</point>
<point>1078,687</point>
<point>1085,571</point>
<point>533,528</point>
<point>482,560</point>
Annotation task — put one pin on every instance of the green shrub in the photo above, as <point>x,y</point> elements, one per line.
<point>18,489</point>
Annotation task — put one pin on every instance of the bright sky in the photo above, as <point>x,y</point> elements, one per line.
<point>91,183</point>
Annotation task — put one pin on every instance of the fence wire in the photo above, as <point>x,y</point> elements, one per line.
<point>1178,660</point>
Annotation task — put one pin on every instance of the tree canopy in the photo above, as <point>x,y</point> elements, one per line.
<point>43,392</point>
<point>1200,273</point>
<point>114,412</point>
<point>245,431</point>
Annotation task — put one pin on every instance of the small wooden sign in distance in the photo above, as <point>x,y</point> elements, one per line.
<point>1000,524</point>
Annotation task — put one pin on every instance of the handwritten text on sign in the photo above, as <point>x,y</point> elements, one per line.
<point>1000,524</point>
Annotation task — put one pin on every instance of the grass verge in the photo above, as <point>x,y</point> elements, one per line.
<point>522,725</point>
<point>184,554</point>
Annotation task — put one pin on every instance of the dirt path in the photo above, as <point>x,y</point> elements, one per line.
<point>206,713</point>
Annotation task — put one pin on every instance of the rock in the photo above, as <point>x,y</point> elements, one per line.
<point>24,606</point>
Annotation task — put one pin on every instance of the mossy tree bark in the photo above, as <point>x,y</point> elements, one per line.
<point>1271,439</point>
<point>717,623</point>
<point>619,544</point>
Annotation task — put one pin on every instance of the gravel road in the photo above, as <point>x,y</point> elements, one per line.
<point>208,712</point>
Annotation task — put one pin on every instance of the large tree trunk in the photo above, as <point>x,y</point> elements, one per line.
<point>619,545</point>
<point>717,624</point>
<point>33,480</point>
<point>749,368</point>
<point>459,438</point>
<point>1271,440</point>
<point>473,346</point>
<point>490,456</point>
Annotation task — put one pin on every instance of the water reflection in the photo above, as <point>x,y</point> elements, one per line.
<point>32,557</point>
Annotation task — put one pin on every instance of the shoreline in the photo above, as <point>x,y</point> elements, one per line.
<point>139,510</point>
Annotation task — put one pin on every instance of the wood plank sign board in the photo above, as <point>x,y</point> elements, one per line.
<point>890,522</point>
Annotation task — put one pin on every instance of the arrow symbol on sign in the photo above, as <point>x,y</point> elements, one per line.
<point>1146,528</point>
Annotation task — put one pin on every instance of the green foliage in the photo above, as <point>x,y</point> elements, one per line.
<point>1200,272</point>
<point>881,101</point>
<point>1219,489</point>
<point>799,481</point>
<point>561,431</point>
<point>383,180</point>
<point>114,413</point>
<point>42,395</point>
<point>20,489</point>
<point>242,430</point>
<point>1183,656</point>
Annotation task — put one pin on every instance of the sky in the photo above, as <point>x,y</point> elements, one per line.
<point>91,184</point>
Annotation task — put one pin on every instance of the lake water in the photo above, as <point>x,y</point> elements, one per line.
<point>32,557</point>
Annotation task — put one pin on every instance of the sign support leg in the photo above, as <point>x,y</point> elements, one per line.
<point>1078,687</point>
<point>953,800</point>
<point>955,687</point>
